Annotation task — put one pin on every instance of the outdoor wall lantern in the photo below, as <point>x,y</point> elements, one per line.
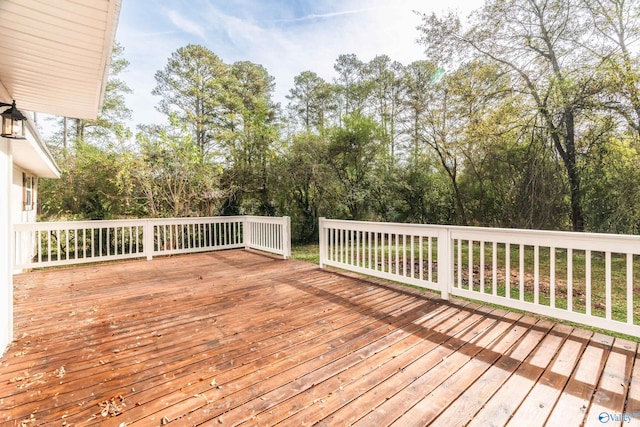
<point>12,122</point>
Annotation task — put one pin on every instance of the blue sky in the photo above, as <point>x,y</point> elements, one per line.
<point>286,37</point>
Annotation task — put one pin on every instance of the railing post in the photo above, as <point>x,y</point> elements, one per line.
<point>445,263</point>
<point>147,229</point>
<point>322,238</point>
<point>246,232</point>
<point>286,237</point>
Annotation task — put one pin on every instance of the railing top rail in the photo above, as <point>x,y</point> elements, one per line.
<point>266,219</point>
<point>60,225</point>
<point>415,229</point>
<point>196,220</point>
<point>548,238</point>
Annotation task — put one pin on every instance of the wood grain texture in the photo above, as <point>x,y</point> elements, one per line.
<point>241,338</point>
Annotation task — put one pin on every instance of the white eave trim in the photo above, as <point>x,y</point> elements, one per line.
<point>57,54</point>
<point>32,155</point>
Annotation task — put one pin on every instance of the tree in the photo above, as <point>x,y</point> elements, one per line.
<point>249,142</point>
<point>418,78</point>
<point>311,101</point>
<point>385,77</point>
<point>303,177</point>
<point>193,85</point>
<point>532,40</point>
<point>351,87</point>
<point>617,24</point>
<point>95,184</point>
<point>172,175</point>
<point>352,152</point>
<point>612,185</point>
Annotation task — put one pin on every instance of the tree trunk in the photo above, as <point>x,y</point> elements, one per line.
<point>577,216</point>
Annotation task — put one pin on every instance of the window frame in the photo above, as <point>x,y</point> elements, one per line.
<point>28,192</point>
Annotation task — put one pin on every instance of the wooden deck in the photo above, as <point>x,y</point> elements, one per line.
<point>237,337</point>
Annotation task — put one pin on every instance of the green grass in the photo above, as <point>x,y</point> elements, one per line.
<point>309,252</point>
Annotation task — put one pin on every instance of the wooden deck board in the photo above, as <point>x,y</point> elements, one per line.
<point>237,337</point>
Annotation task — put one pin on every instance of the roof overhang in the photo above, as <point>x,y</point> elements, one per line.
<point>55,54</point>
<point>41,164</point>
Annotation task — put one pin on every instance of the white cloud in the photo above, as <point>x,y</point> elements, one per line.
<point>186,24</point>
<point>314,16</point>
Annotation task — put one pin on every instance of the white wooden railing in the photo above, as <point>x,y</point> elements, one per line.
<point>45,244</point>
<point>593,279</point>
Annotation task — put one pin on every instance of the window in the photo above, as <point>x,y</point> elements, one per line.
<point>27,191</point>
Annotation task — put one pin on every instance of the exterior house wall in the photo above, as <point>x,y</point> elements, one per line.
<point>6,244</point>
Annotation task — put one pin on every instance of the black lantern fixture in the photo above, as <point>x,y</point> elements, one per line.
<point>12,122</point>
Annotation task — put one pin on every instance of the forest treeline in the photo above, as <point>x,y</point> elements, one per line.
<point>526,116</point>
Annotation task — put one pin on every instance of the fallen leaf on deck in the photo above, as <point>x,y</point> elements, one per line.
<point>28,421</point>
<point>112,407</point>
<point>60,372</point>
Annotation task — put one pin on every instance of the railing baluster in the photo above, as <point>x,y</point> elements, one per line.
<point>351,244</point>
<point>607,268</point>
<point>552,276</point>
<point>75,243</point>
<point>459,263</point>
<point>412,262</point>
<point>375,252</point>
<point>58,238</point>
<point>521,271</point>
<point>587,282</point>
<point>482,255</point>
<point>470,265</point>
<point>66,243</point>
<point>507,268</point>
<point>398,255</point>
<point>390,245</point>
<point>494,269</point>
<point>382,251</point>
<point>369,247</point>
<point>421,257</point>
<point>630,289</point>
<point>536,274</point>
<point>430,258</point>
<point>357,248</point>
<point>569,279</point>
